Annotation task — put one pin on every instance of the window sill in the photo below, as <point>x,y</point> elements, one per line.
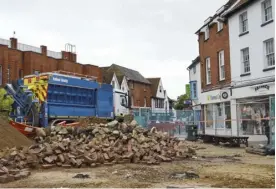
<point>205,40</point>
<point>208,84</point>
<point>219,31</point>
<point>268,69</point>
<point>245,74</point>
<point>267,22</point>
<point>244,33</point>
<point>221,80</point>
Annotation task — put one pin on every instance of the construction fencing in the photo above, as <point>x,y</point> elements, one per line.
<point>254,118</point>
<point>172,121</point>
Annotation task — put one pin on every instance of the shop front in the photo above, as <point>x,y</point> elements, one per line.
<point>217,112</point>
<point>253,110</point>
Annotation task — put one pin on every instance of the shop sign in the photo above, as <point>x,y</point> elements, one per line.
<point>261,87</point>
<point>213,97</point>
<point>224,95</point>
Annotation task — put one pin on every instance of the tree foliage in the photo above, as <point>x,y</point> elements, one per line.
<point>5,101</point>
<point>179,104</point>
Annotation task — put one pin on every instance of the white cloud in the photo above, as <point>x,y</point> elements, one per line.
<point>155,37</point>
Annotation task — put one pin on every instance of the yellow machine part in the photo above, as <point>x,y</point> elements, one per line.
<point>38,85</point>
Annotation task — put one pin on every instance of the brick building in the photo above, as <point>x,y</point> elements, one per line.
<point>215,72</point>
<point>18,60</point>
<point>139,88</point>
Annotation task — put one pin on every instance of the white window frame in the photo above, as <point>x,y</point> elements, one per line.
<point>267,6</point>
<point>208,70</point>
<point>145,102</point>
<point>221,65</point>
<point>269,53</point>
<point>194,69</point>
<point>245,60</point>
<point>207,33</point>
<point>243,22</point>
<point>220,26</point>
<point>1,75</point>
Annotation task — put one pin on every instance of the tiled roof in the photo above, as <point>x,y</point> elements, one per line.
<point>194,62</point>
<point>241,4</point>
<point>154,85</point>
<point>227,5</point>
<point>129,73</point>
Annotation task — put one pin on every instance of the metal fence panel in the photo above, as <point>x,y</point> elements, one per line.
<point>172,121</point>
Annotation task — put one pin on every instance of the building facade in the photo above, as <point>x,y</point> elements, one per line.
<point>252,47</point>
<point>18,60</point>
<point>159,97</point>
<point>215,72</point>
<point>195,83</point>
<point>139,88</point>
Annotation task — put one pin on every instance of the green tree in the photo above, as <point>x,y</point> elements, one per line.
<point>5,101</point>
<point>179,104</point>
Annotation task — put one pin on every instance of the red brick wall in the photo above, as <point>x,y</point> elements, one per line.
<point>93,71</point>
<point>31,61</point>
<point>217,41</point>
<point>139,94</point>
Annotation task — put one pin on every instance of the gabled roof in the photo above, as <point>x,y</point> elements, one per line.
<point>241,4</point>
<point>107,77</point>
<point>129,73</point>
<point>120,79</point>
<point>194,62</point>
<point>154,85</point>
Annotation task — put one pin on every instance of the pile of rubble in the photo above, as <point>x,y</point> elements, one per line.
<point>92,146</point>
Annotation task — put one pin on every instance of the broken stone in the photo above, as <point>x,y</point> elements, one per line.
<point>66,166</point>
<point>40,132</point>
<point>61,158</point>
<point>133,123</point>
<point>112,123</point>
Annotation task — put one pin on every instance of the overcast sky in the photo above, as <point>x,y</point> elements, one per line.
<point>154,37</point>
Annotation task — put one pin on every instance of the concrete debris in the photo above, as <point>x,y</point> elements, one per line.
<point>185,175</point>
<point>92,145</point>
<point>81,176</point>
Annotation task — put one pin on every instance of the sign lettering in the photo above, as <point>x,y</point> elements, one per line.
<point>60,80</point>
<point>262,87</point>
<point>210,97</point>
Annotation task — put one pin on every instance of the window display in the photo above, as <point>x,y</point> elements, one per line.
<point>252,114</point>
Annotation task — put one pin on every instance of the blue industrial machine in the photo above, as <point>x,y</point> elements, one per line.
<point>42,99</point>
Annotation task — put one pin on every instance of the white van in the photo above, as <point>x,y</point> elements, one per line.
<point>120,102</point>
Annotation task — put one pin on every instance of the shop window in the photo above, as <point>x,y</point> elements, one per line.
<point>209,115</point>
<point>227,108</point>
<point>251,113</point>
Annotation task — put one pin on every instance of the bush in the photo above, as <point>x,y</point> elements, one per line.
<point>5,101</point>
